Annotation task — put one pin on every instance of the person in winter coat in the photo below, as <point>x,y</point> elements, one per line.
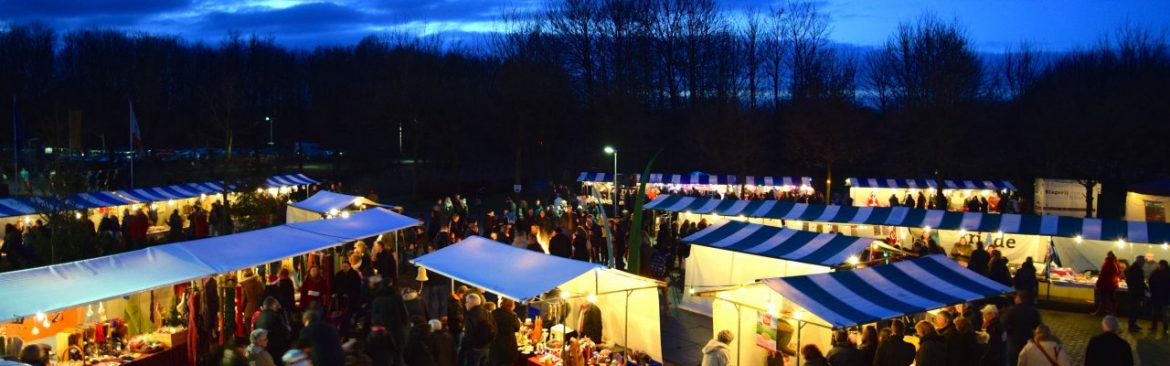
<point>456,314</point>
<point>1025,279</point>
<point>993,352</point>
<point>388,310</point>
<point>1135,279</point>
<point>1019,321</point>
<point>590,322</point>
<point>1107,348</point>
<point>415,305</point>
<point>932,347</point>
<point>844,352</point>
<point>894,351</point>
<point>323,341</point>
<point>272,320</point>
<point>1160,296</point>
<point>478,332</point>
<point>717,352</point>
<point>812,355</point>
<point>945,327</point>
<point>313,289</point>
<point>347,285</point>
<point>1044,349</point>
<point>998,269</point>
<point>1107,282</point>
<point>383,262</point>
<point>176,225</point>
<point>251,291</point>
<point>418,349</point>
<point>560,245</point>
<point>963,349</point>
<point>869,344</point>
<point>581,245</point>
<point>980,259</point>
<point>443,344</point>
<point>504,351</point>
<point>256,354</point>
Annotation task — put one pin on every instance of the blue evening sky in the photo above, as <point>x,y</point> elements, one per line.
<point>1053,25</point>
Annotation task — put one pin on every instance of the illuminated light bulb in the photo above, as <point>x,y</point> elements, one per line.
<point>153,206</point>
<point>334,212</point>
<point>1078,239</point>
<point>1120,243</point>
<point>853,260</point>
<point>345,215</point>
<point>171,203</point>
<point>592,298</point>
<point>259,190</point>
<point>273,191</point>
<point>798,315</point>
<point>691,291</point>
<point>742,217</point>
<point>1165,246</point>
<point>46,324</point>
<point>986,192</point>
<point>741,290</point>
<point>202,196</point>
<point>687,212</point>
<point>962,232</point>
<point>77,215</point>
<point>999,233</point>
<point>36,331</point>
<point>565,295</point>
<point>927,228</point>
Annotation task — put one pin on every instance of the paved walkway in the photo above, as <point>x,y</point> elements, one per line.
<point>683,337</point>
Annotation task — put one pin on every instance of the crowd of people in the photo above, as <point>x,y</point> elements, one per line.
<point>1147,290</point>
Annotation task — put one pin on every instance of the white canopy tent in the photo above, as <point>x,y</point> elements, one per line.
<point>629,303</point>
<point>323,204</point>
<point>61,286</point>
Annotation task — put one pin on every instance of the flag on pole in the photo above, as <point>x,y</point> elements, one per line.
<point>135,133</point>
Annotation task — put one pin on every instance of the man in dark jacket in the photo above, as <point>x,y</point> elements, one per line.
<point>993,352</point>
<point>273,321</point>
<point>1135,279</point>
<point>323,340</point>
<point>560,245</point>
<point>419,350</point>
<point>581,245</point>
<point>944,323</point>
<point>844,352</point>
<point>1019,321</point>
<point>1108,348</point>
<point>478,333</point>
<point>894,351</point>
<point>504,351</point>
<point>980,258</point>
<point>1160,296</point>
<point>389,311</point>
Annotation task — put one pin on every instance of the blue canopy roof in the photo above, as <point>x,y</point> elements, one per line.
<point>846,298</point>
<point>1087,228</point>
<point>512,272</point>
<point>595,177</point>
<point>173,192</point>
<point>781,243</point>
<point>64,285</point>
<point>289,180</point>
<point>770,181</point>
<point>325,201</point>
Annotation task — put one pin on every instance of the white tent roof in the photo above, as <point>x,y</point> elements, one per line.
<point>65,285</point>
<point>512,272</point>
<point>325,201</point>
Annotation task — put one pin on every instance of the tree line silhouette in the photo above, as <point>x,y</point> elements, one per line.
<point>758,93</point>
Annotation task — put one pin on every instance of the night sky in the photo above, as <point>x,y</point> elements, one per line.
<point>992,24</point>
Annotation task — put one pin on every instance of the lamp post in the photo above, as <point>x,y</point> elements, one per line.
<point>269,120</point>
<point>616,191</point>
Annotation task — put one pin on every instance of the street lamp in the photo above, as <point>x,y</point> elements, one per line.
<point>611,151</point>
<point>269,120</point>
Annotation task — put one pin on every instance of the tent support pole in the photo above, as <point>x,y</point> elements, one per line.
<point>738,336</point>
<point>799,329</point>
<point>626,330</point>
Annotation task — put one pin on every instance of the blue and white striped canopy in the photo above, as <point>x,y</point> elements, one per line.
<point>866,295</point>
<point>693,178</point>
<point>17,207</point>
<point>289,180</point>
<point>175,192</point>
<point>79,201</point>
<point>1087,228</point>
<point>929,183</point>
<point>595,177</point>
<point>781,243</point>
<point>770,181</point>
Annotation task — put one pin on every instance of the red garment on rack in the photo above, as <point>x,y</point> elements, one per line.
<point>239,316</point>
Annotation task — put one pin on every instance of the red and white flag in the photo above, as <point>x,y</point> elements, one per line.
<point>135,133</point>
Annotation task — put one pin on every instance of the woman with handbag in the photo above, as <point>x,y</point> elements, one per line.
<point>1044,349</point>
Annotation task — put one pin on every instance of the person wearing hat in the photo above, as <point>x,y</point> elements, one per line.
<point>993,352</point>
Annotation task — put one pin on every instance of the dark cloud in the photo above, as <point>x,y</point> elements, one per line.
<point>47,9</point>
<point>304,18</point>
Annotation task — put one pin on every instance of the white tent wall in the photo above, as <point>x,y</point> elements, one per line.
<point>294,214</point>
<point>641,315</point>
<point>711,268</point>
<point>741,316</point>
<point>1089,254</point>
<point>1013,246</point>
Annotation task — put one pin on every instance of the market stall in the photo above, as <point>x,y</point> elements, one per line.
<point>628,303</point>
<point>804,309</point>
<point>875,192</point>
<point>324,204</point>
<point>119,307</point>
<point>289,180</point>
<point>731,253</point>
